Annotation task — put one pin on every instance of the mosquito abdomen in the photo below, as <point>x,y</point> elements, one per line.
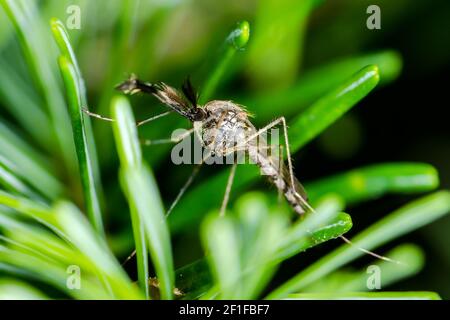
<point>278,175</point>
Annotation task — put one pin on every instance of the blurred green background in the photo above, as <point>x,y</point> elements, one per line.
<point>164,40</point>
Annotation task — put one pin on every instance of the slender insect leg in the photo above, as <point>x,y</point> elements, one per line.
<point>177,139</point>
<point>139,123</point>
<point>129,257</point>
<point>228,190</point>
<point>274,123</point>
<point>346,240</point>
<point>283,121</point>
<point>96,115</point>
<point>280,193</point>
<point>184,188</point>
<point>290,168</point>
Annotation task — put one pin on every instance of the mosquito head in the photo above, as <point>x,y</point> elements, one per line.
<point>198,114</point>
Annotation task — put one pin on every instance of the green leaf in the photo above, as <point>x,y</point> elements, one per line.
<point>13,183</point>
<point>236,41</point>
<point>34,44</point>
<point>374,181</point>
<point>72,84</point>
<point>332,106</point>
<point>147,211</point>
<point>16,94</point>
<point>240,247</point>
<point>303,230</point>
<point>413,259</point>
<point>317,82</point>
<point>41,243</point>
<point>51,273</point>
<point>412,216</point>
<point>194,279</point>
<point>221,242</point>
<point>410,295</point>
<point>15,290</point>
<point>81,234</point>
<point>62,39</point>
<point>38,211</point>
<point>30,164</point>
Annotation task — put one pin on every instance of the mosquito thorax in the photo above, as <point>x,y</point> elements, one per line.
<point>225,126</point>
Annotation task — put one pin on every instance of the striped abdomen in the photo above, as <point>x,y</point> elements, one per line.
<point>278,174</point>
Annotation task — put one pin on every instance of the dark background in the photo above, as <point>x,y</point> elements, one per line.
<point>407,120</point>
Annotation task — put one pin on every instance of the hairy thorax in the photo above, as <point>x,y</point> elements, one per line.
<point>225,127</point>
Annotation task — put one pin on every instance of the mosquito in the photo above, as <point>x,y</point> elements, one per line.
<point>224,128</point>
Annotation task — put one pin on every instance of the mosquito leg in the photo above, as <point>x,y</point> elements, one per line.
<point>177,139</point>
<point>184,188</point>
<point>291,173</point>
<point>139,123</point>
<point>282,120</point>
<point>129,257</point>
<point>96,115</point>
<point>280,193</point>
<point>228,189</point>
<point>290,168</point>
<point>274,123</point>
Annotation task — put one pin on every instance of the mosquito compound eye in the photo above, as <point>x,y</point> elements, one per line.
<point>199,114</point>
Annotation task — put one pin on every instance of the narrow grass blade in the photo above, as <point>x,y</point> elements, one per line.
<point>42,242</point>
<point>31,165</point>
<point>62,39</point>
<point>409,295</point>
<point>325,214</point>
<point>55,275</point>
<point>236,41</point>
<point>351,281</point>
<point>34,43</point>
<point>195,279</point>
<point>34,210</point>
<point>374,181</point>
<point>16,290</point>
<point>221,242</point>
<point>83,249</point>
<point>72,84</point>
<point>315,83</point>
<point>412,216</point>
<point>332,106</point>
<point>10,182</point>
<point>146,206</point>
<point>130,156</point>
<point>24,106</point>
<point>81,234</point>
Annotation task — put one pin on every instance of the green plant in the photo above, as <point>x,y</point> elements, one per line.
<point>45,172</point>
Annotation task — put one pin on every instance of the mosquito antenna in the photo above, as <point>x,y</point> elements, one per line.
<point>349,242</point>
